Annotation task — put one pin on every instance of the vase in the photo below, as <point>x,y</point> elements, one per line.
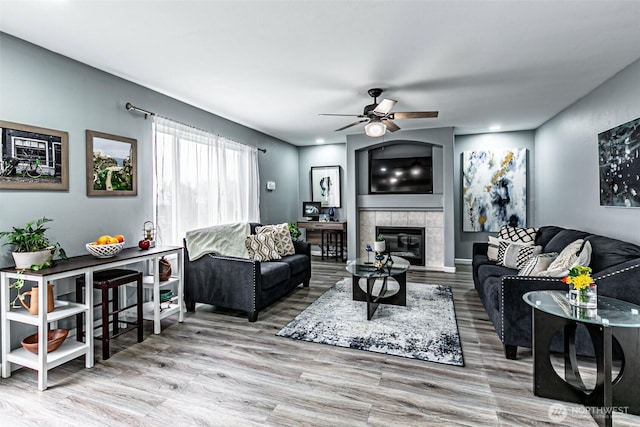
<point>585,297</point>
<point>24,260</point>
<point>379,246</point>
<point>32,307</point>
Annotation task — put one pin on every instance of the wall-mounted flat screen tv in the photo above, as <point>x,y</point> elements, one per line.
<point>407,175</point>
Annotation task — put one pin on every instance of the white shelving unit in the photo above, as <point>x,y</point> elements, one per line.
<point>73,267</point>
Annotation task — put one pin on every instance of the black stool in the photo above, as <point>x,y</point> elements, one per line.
<point>332,236</point>
<point>105,280</point>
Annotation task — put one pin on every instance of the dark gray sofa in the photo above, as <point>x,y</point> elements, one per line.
<point>616,271</point>
<point>244,284</point>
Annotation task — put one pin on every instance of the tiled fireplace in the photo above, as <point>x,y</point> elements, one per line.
<point>432,222</point>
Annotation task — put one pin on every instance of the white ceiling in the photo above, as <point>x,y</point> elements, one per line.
<point>275,65</point>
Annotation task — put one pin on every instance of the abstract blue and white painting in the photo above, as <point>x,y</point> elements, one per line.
<point>494,189</point>
<point>619,158</point>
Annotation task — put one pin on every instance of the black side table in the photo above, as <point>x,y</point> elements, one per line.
<point>612,319</point>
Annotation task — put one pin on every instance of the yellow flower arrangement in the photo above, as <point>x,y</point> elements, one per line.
<point>579,277</point>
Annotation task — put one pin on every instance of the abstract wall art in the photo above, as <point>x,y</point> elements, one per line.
<point>494,189</point>
<point>619,161</point>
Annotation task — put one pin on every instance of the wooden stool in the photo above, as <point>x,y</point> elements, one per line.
<point>105,280</point>
<point>330,236</point>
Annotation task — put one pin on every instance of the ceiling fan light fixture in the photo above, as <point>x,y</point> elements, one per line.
<point>375,128</point>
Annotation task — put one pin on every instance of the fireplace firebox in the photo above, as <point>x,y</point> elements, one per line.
<point>405,242</point>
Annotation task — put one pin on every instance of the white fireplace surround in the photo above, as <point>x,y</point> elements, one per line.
<point>431,221</point>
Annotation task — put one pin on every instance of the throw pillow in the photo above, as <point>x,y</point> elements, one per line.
<point>537,263</point>
<point>517,234</point>
<point>565,260</point>
<point>492,252</point>
<point>282,237</point>
<point>514,255</point>
<point>262,247</point>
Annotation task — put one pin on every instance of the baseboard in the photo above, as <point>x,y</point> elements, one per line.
<point>463,261</point>
<point>449,269</point>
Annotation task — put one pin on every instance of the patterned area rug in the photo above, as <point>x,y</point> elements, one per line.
<point>425,329</point>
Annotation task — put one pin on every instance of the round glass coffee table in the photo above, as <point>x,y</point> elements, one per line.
<point>363,268</point>
<point>613,319</point>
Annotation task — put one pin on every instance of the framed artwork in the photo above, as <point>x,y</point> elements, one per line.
<point>325,185</point>
<point>494,189</point>
<point>311,210</point>
<point>111,165</point>
<point>619,163</point>
<point>33,158</point>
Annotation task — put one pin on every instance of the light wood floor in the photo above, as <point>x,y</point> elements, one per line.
<point>218,369</point>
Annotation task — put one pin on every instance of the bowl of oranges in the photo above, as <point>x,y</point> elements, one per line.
<point>106,246</point>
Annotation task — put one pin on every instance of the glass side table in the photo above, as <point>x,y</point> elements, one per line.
<point>384,294</point>
<point>612,319</point>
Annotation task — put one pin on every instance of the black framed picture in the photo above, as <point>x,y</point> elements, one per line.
<point>33,158</point>
<point>325,185</point>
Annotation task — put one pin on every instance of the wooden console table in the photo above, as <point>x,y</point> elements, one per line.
<point>81,265</point>
<point>321,226</point>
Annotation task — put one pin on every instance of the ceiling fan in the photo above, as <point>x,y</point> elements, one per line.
<point>379,117</point>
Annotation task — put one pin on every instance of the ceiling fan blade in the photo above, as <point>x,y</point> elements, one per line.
<point>391,127</point>
<point>415,115</point>
<point>344,115</point>
<point>352,124</point>
<point>384,107</point>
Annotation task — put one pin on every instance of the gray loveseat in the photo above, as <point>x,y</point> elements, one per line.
<point>245,284</point>
<point>616,271</point>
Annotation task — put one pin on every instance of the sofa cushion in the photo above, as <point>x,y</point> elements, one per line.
<point>568,257</point>
<point>514,255</point>
<point>493,270</point>
<point>282,237</point>
<point>297,263</point>
<point>274,274</point>
<point>537,264</point>
<point>518,234</point>
<point>546,233</point>
<point>262,247</point>
<point>563,239</point>
<point>607,252</point>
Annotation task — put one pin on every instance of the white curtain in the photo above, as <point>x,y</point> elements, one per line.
<point>201,179</point>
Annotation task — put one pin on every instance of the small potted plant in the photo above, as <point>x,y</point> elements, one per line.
<point>379,245</point>
<point>294,231</point>
<point>32,249</point>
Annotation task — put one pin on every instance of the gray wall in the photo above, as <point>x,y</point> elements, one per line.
<point>489,141</point>
<point>321,155</point>
<point>567,179</point>
<point>44,89</point>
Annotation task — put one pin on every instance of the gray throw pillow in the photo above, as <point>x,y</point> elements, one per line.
<point>537,263</point>
<point>514,255</point>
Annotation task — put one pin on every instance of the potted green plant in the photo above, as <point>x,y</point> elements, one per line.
<point>379,245</point>
<point>32,248</point>
<point>294,231</point>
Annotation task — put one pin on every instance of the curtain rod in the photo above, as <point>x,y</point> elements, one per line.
<point>146,113</point>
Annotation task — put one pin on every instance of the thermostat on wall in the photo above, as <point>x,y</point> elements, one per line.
<point>271,185</point>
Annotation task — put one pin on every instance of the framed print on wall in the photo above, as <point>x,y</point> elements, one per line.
<point>494,189</point>
<point>619,162</point>
<point>33,158</point>
<point>325,185</point>
<point>111,165</point>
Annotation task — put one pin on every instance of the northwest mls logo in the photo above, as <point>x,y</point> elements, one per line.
<point>557,413</point>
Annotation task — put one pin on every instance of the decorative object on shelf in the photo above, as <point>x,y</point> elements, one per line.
<point>32,307</point>
<point>379,245</point>
<point>379,264</point>
<point>619,165</point>
<point>55,338</point>
<point>164,271</point>
<point>32,248</point>
<point>166,295</point>
<point>582,291</point>
<point>104,251</point>
<point>149,230</point>
<point>325,185</point>
<point>40,158</point>
<point>111,165</point>
<point>332,214</point>
<point>368,249</point>
<point>294,231</point>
